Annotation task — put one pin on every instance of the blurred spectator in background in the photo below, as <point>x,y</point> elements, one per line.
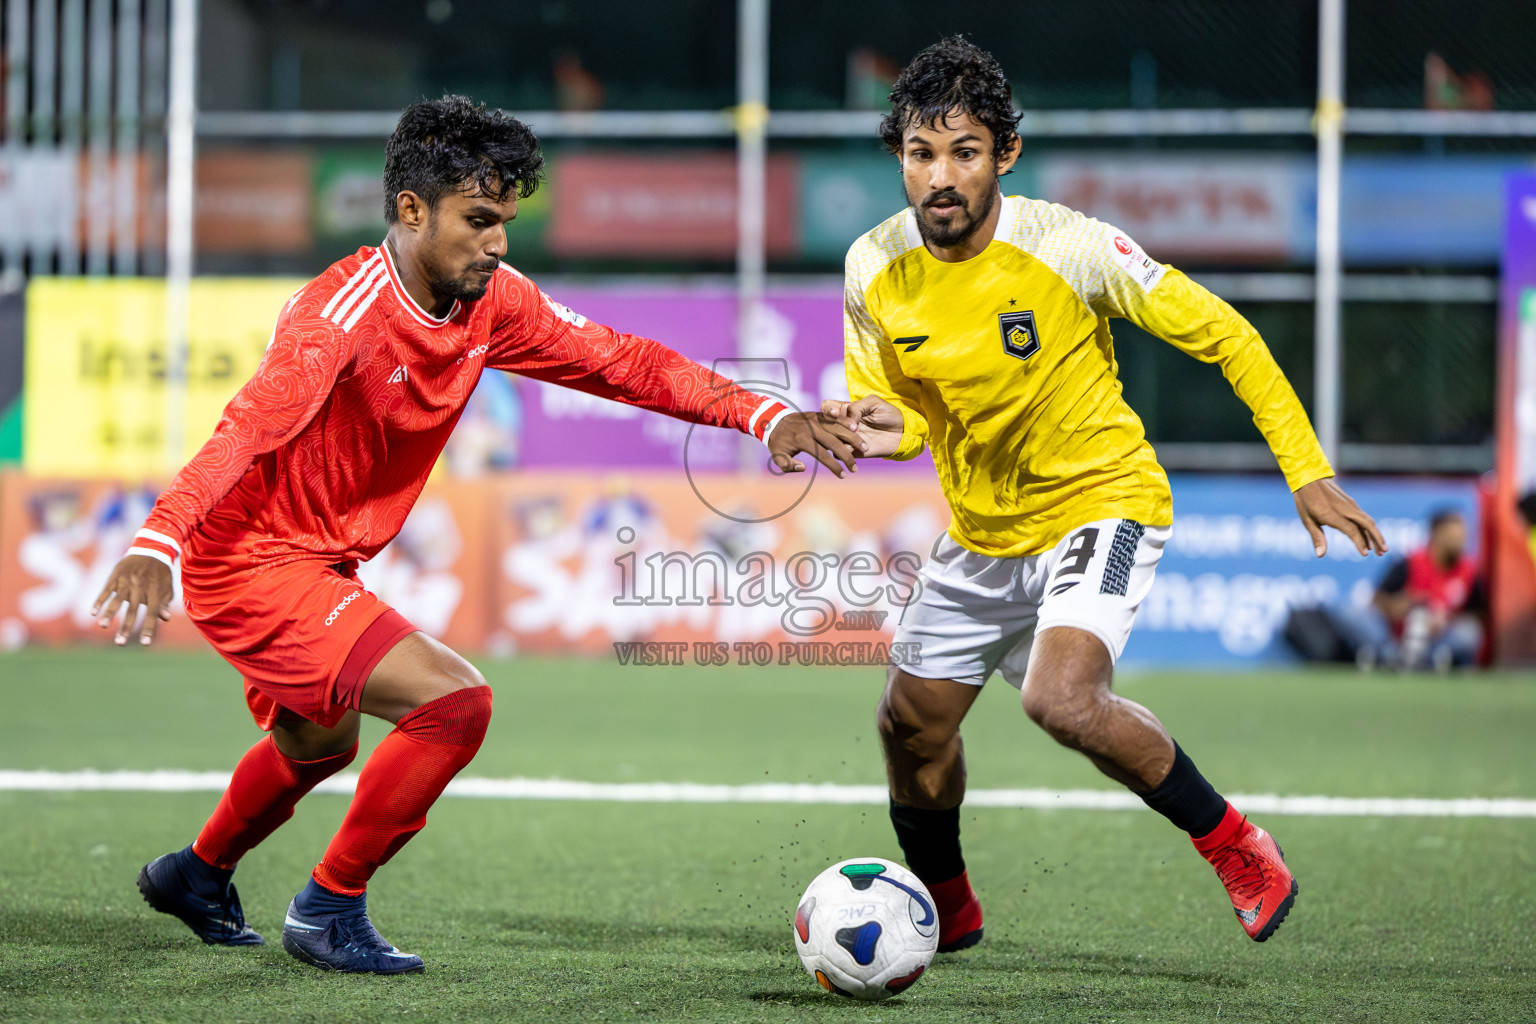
<point>1428,609</point>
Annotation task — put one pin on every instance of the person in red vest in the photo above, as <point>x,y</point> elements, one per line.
<point>1430,603</point>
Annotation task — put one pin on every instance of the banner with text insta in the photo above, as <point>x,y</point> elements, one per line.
<point>95,369</point>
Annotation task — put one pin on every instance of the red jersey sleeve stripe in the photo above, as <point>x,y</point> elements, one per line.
<point>766,417</point>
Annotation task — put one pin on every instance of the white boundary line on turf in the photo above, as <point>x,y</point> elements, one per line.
<point>166,781</point>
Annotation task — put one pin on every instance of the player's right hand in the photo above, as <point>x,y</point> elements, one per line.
<point>138,581</point>
<point>876,420</point>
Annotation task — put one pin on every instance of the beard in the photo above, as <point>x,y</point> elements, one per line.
<point>962,223</point>
<point>467,286</point>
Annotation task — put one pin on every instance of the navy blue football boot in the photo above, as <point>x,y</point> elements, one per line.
<point>332,932</point>
<point>201,896</point>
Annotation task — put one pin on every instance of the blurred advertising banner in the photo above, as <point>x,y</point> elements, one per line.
<point>95,369</point>
<point>739,565</point>
<point>655,568</point>
<point>1512,497</point>
<point>1192,208</point>
<point>254,201</point>
<point>58,542</point>
<point>1240,560</point>
<point>795,353</point>
<point>662,204</point>
<point>550,562</point>
<point>39,196</point>
<point>1217,207</point>
<point>60,539</point>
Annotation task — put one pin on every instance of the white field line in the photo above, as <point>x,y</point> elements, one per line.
<point>166,781</point>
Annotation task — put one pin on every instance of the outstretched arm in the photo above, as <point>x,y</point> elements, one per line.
<point>1166,303</point>
<point>1192,319</point>
<point>546,341</point>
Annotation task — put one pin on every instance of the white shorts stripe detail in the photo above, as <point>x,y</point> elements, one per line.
<point>158,538</point>
<point>352,282</point>
<point>978,614</point>
<point>156,554</point>
<point>795,793</point>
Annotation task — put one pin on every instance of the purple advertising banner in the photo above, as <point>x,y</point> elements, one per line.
<point>796,354</point>
<point>1512,582</point>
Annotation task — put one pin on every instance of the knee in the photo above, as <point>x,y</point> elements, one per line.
<point>1070,719</point>
<point>307,742</point>
<point>458,718</point>
<point>451,676</point>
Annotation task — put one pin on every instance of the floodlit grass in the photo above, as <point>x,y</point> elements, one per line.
<point>542,911</point>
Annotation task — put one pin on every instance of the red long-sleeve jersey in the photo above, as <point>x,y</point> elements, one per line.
<point>323,452</point>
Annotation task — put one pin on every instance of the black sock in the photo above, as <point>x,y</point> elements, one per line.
<point>1186,799</point>
<point>207,880</point>
<point>930,840</point>
<point>315,899</point>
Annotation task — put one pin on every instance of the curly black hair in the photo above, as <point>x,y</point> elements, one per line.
<point>952,74</point>
<point>440,145</point>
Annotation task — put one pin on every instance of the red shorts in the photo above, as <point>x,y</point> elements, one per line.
<point>305,635</point>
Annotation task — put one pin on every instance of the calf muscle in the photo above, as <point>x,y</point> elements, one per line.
<point>1067,693</point>
<point>919,724</point>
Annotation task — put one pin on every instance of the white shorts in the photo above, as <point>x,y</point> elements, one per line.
<point>977,614</point>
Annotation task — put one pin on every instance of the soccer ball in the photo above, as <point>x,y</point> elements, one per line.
<point>866,928</point>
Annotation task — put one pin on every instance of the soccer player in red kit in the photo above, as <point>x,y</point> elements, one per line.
<point>313,468</point>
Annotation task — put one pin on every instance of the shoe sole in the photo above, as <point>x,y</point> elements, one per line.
<point>303,956</point>
<point>965,941</point>
<point>1278,916</point>
<point>147,890</point>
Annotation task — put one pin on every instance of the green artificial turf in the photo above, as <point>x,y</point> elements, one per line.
<point>538,911</point>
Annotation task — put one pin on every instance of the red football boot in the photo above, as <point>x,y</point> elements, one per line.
<point>959,913</point>
<point>1250,864</point>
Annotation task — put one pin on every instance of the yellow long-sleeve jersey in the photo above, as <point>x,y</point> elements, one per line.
<point>1003,365</point>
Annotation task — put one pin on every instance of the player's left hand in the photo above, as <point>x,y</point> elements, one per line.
<point>1323,503</point>
<point>819,436</point>
<point>137,581</point>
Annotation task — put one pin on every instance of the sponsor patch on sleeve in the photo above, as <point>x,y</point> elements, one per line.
<point>1128,256</point>
<point>565,313</point>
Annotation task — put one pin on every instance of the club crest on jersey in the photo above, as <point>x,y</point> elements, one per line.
<point>1021,338</point>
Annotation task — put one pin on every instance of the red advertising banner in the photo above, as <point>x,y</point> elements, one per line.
<point>674,204</point>
<point>1234,208</point>
<point>254,201</point>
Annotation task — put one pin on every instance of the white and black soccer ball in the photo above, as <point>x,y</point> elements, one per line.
<point>866,928</point>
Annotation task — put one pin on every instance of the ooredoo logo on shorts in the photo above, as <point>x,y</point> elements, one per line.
<point>331,618</point>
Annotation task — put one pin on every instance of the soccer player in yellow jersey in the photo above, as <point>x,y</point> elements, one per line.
<point>978,325</point>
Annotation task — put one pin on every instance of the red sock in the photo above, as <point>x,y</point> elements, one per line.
<point>261,796</point>
<point>404,775</point>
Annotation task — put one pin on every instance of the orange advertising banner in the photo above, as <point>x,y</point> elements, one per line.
<point>644,567</point>
<point>60,539</point>
<point>649,568</point>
